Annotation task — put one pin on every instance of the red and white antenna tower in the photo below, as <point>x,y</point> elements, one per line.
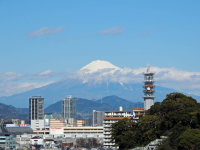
<point>149,88</point>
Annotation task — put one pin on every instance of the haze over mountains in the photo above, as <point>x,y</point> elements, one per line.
<point>94,81</point>
<point>84,107</point>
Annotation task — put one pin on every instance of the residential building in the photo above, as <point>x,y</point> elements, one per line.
<point>137,112</point>
<point>36,142</point>
<point>56,126</point>
<point>153,145</point>
<point>83,122</point>
<point>7,141</point>
<point>36,112</point>
<point>69,110</point>
<point>80,123</point>
<point>97,118</point>
<point>83,132</point>
<point>110,118</point>
<point>56,123</point>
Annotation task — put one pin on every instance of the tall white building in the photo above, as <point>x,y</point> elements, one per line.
<point>148,89</point>
<point>36,112</point>
<point>110,118</point>
<point>97,118</point>
<point>69,110</point>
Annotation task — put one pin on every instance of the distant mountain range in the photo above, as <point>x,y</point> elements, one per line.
<point>8,112</point>
<point>94,81</point>
<point>59,90</point>
<point>84,107</point>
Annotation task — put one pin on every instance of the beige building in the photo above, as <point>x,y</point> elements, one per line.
<point>53,123</point>
<point>137,112</point>
<point>83,132</point>
<point>80,123</point>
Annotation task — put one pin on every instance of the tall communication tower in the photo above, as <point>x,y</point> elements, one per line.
<point>148,89</point>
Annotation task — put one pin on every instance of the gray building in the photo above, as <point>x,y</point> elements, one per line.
<point>69,110</point>
<point>97,118</point>
<point>36,112</point>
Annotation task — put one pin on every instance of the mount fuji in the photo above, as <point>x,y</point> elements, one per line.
<point>93,81</point>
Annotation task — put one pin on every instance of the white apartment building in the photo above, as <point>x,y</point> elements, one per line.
<point>37,124</point>
<point>110,118</point>
<point>83,132</point>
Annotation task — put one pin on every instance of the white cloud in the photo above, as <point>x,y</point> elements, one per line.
<point>45,31</point>
<point>47,72</point>
<point>12,83</point>
<point>167,77</point>
<point>113,30</point>
<point>9,76</point>
<point>10,88</point>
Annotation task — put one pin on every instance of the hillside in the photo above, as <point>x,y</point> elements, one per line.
<point>85,106</point>
<point>59,90</point>
<point>10,112</point>
<point>96,80</point>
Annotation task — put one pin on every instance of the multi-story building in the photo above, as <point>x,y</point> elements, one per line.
<point>83,132</point>
<point>69,110</point>
<point>83,122</point>
<point>7,142</point>
<point>97,118</point>
<point>56,126</point>
<point>148,89</point>
<point>47,118</point>
<point>110,118</point>
<point>36,112</point>
<point>137,112</point>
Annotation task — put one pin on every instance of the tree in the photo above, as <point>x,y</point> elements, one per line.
<point>176,116</point>
<point>122,131</point>
<point>189,140</point>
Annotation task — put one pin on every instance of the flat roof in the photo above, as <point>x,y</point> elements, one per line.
<point>138,108</point>
<point>117,111</point>
<point>115,118</point>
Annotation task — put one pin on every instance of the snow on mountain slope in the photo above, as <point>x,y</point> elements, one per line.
<point>98,65</point>
<point>101,78</point>
<point>103,71</point>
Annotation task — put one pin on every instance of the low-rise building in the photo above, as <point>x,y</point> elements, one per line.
<point>138,112</point>
<point>82,122</point>
<point>56,123</point>
<point>7,142</point>
<point>36,142</point>
<point>81,132</point>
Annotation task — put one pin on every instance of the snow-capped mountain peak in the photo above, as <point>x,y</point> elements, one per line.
<point>98,65</point>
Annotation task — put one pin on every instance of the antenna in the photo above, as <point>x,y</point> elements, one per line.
<point>148,67</point>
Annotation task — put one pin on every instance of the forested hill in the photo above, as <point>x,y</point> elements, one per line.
<point>177,116</point>
<point>8,112</point>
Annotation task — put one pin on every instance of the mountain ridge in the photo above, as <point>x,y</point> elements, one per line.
<point>93,81</point>
<point>59,90</point>
<point>85,106</point>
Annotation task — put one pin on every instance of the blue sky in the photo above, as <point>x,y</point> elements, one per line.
<point>66,35</point>
<point>162,33</point>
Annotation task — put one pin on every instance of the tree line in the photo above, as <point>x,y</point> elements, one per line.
<point>177,116</point>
